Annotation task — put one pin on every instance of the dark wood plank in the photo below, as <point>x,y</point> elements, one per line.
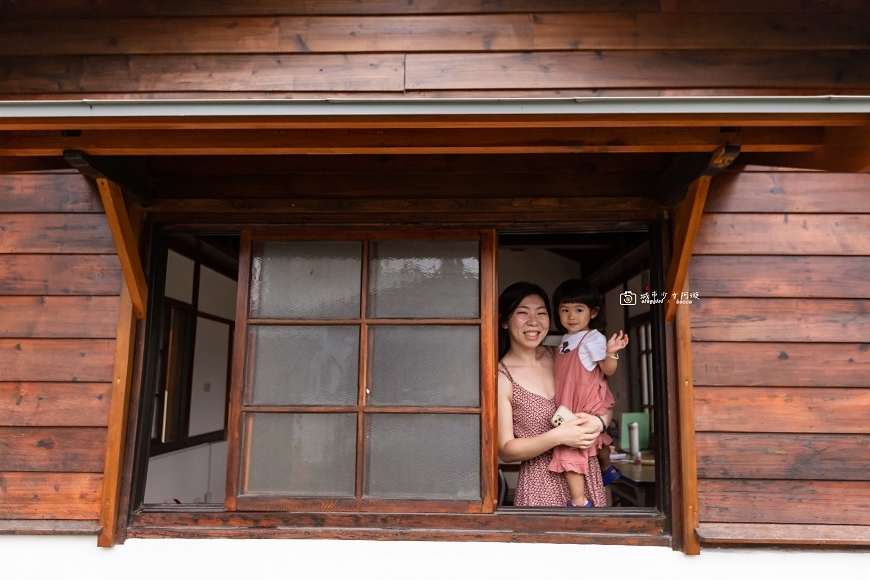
<point>415,141</point>
<point>784,234</point>
<point>50,496</point>
<point>783,456</point>
<point>56,192</point>
<point>66,449</point>
<point>113,74</point>
<point>624,69</point>
<point>50,527</point>
<point>47,275</point>
<point>26,233</point>
<point>780,320</point>
<point>785,502</point>
<point>780,276</point>
<point>750,6</point>
<point>432,33</point>
<point>107,8</point>
<point>686,418</point>
<point>782,410</point>
<point>54,404</point>
<point>798,192</point>
<point>781,364</point>
<point>86,360</point>
<point>58,316</point>
<point>789,534</point>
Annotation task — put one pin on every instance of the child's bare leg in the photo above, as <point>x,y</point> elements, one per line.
<point>604,457</point>
<point>576,486</point>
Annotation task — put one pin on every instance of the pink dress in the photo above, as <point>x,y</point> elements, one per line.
<point>585,391</point>
<point>536,484</point>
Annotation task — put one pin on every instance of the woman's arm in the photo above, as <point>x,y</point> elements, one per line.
<point>580,433</point>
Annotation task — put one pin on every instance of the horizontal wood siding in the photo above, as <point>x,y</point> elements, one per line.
<point>59,284</point>
<point>781,350</point>
<point>432,48</point>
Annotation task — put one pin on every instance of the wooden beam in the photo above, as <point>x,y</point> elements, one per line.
<point>415,141</point>
<point>687,427</point>
<point>122,377</point>
<point>846,150</point>
<point>121,170</point>
<point>690,166</point>
<point>125,243</point>
<point>687,220</point>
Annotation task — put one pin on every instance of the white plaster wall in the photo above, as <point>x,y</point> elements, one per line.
<point>209,384</point>
<point>179,277</point>
<point>217,294</point>
<point>541,267</point>
<point>193,475</point>
<point>72,558</point>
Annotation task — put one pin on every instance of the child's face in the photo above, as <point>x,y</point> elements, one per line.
<point>576,316</point>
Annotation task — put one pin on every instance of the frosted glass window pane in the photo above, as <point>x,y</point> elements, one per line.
<point>303,365</point>
<point>179,277</point>
<point>422,456</point>
<point>306,279</point>
<point>217,294</point>
<point>301,454</point>
<point>424,365</point>
<point>424,279</point>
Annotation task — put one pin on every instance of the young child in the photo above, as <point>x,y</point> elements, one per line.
<point>583,358</point>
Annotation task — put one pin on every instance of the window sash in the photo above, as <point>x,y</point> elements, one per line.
<point>240,404</point>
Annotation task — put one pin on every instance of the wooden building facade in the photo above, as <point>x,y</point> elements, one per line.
<point>735,136</point>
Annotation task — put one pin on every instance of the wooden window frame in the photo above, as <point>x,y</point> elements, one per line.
<point>659,526</point>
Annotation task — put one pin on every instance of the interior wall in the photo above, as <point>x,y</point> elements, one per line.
<point>536,265</point>
<point>192,475</point>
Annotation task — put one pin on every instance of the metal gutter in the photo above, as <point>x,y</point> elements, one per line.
<point>107,108</point>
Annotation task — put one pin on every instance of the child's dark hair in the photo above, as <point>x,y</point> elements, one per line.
<point>508,302</point>
<point>579,292</point>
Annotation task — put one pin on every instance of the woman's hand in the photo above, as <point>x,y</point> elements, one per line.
<point>580,433</point>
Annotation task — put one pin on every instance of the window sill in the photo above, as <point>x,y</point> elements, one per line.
<point>642,527</point>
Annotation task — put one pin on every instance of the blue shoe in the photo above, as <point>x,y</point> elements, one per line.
<point>610,475</point>
<point>588,504</point>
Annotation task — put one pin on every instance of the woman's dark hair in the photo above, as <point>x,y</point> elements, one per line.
<point>508,302</point>
<point>579,292</point>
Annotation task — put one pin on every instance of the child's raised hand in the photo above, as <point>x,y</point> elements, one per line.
<point>617,342</point>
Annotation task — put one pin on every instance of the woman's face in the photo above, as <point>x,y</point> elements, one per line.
<point>528,324</point>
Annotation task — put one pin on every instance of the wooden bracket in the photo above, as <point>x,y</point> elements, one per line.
<point>119,169</point>
<point>687,220</point>
<point>125,243</point>
<point>686,401</point>
<point>687,168</point>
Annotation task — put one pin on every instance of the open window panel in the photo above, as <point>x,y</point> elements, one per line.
<point>193,320</point>
<point>363,373</point>
<point>622,265</point>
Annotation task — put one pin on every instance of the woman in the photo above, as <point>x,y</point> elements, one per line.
<point>526,389</point>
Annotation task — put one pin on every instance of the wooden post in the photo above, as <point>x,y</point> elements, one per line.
<point>687,219</point>
<point>125,244</point>
<point>686,400</point>
<point>122,377</point>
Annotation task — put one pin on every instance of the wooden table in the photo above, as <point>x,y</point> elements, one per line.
<point>636,486</point>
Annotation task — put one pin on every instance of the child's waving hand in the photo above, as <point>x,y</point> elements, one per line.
<point>617,342</point>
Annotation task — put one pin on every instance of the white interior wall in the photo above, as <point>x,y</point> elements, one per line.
<point>179,277</point>
<point>217,294</point>
<point>209,384</point>
<point>192,475</point>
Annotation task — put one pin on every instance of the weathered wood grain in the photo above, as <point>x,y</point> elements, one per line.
<point>782,410</point>
<point>431,33</point>
<point>59,192</point>
<point>26,233</point>
<point>416,141</point>
<point>784,234</point>
<point>64,449</point>
<point>789,192</point>
<point>780,276</point>
<point>54,404</point>
<point>58,316</point>
<point>86,360</point>
<point>783,456</point>
<point>781,364</point>
<point>791,534</point>
<point>786,502</point>
<point>272,72</point>
<point>50,527</point>
<point>47,275</point>
<point>779,320</point>
<point>51,496</point>
<point>637,69</point>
